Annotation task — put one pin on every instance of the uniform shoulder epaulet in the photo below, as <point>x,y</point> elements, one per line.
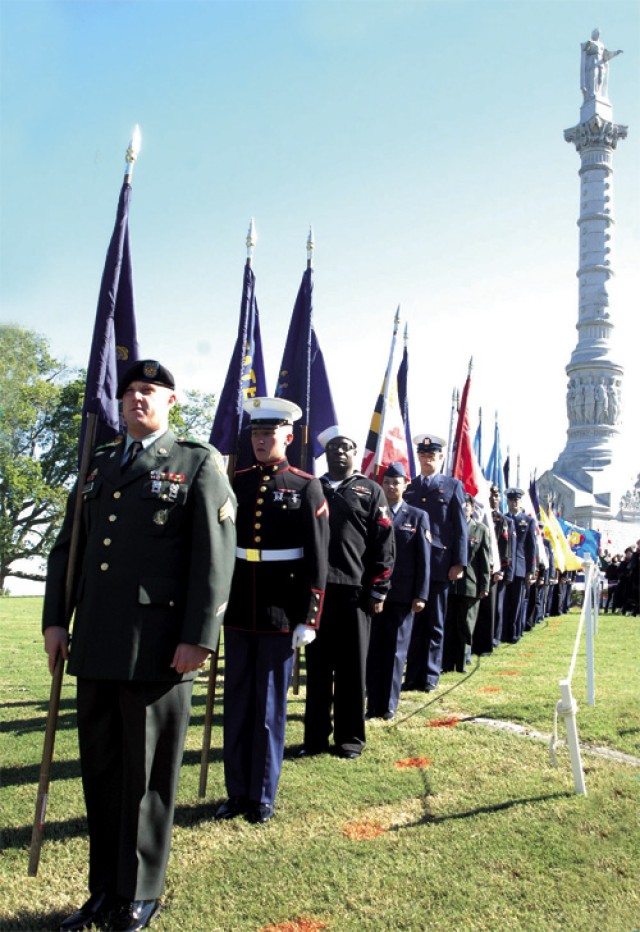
<point>105,447</point>
<point>301,472</point>
<point>192,442</point>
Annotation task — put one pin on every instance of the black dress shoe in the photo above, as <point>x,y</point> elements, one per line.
<point>312,752</point>
<point>345,754</point>
<point>389,716</point>
<point>259,813</point>
<point>234,806</point>
<point>133,915</point>
<point>93,911</point>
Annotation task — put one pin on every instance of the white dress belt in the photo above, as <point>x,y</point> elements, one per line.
<point>269,556</point>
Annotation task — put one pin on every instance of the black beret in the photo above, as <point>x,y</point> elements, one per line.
<point>146,370</point>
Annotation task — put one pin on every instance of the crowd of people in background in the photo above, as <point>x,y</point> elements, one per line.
<point>622,572</point>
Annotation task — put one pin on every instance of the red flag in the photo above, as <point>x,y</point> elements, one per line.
<point>465,465</point>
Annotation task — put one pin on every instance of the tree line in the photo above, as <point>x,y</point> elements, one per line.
<point>40,416</point>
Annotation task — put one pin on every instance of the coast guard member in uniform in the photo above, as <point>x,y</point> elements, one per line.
<point>155,560</point>
<point>361,553</point>
<point>442,497</point>
<point>275,606</point>
<point>391,629</point>
<point>524,568</point>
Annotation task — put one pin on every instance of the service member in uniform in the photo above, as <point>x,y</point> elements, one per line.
<point>466,594</point>
<point>361,553</point>
<point>524,568</point>
<point>488,628</point>
<point>155,561</point>
<point>442,497</point>
<point>275,606</point>
<point>391,629</point>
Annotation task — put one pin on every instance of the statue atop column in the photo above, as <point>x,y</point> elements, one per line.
<point>594,67</point>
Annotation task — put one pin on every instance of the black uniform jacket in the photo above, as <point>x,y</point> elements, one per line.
<point>410,577</point>
<point>279,508</point>
<point>362,545</point>
<point>156,554</point>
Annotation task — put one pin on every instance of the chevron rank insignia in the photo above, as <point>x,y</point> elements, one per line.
<point>227,511</point>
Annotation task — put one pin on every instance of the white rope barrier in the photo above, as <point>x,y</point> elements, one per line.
<point>567,707</point>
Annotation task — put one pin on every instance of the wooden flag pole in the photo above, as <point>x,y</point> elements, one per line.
<point>37,834</point>
<point>213,663</point>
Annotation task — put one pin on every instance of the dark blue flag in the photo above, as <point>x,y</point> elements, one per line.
<point>303,380</point>
<point>115,343</point>
<point>403,398</point>
<point>230,433</point>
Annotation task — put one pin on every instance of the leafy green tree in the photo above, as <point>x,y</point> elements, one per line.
<point>194,417</point>
<point>40,413</point>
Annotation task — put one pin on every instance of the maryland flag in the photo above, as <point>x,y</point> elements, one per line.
<point>386,440</point>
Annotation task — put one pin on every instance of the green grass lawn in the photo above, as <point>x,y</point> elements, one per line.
<point>439,828</point>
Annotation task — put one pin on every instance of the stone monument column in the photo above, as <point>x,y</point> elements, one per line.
<point>583,472</point>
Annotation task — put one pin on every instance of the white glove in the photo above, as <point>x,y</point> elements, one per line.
<point>302,635</point>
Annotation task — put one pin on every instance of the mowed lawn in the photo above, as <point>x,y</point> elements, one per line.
<point>442,824</point>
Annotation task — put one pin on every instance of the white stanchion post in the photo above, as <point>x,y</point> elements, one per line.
<point>568,710</point>
<point>589,593</point>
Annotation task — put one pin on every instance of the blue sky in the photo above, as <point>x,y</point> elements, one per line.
<point>423,141</point>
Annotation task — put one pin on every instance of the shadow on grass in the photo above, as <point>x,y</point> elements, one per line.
<point>25,726</point>
<point>60,770</point>
<point>34,920</point>
<point>485,810</point>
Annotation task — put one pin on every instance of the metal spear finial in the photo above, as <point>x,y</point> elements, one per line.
<point>311,245</point>
<point>406,334</point>
<point>396,321</point>
<point>470,365</point>
<point>132,152</point>
<point>251,241</point>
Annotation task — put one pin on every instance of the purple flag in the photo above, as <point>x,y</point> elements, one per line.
<point>403,397</point>
<point>245,379</point>
<point>115,343</point>
<point>303,380</point>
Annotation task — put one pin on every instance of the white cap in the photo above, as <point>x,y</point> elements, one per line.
<point>271,412</point>
<point>330,433</point>
<point>430,443</point>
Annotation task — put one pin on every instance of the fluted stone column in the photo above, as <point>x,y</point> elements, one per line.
<point>583,471</point>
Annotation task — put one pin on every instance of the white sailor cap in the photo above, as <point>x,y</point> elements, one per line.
<point>330,433</point>
<point>271,412</point>
<point>429,443</point>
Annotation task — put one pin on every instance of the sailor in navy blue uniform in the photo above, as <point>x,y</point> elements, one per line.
<point>275,606</point>
<point>442,497</point>
<point>361,555</point>
<point>524,568</point>
<point>391,629</point>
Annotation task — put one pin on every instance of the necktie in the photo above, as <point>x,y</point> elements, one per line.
<point>134,450</point>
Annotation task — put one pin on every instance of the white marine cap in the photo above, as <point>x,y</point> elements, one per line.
<point>330,433</point>
<point>429,443</point>
<point>271,412</point>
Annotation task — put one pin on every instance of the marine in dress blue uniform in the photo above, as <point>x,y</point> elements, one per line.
<point>442,497</point>
<point>275,605</point>
<point>524,568</point>
<point>155,559</point>
<point>391,629</point>
<point>361,554</point>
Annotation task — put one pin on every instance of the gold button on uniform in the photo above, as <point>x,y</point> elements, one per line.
<point>104,566</point>
<point>257,539</point>
<point>261,501</point>
<point>117,494</point>
<point>258,514</point>
<point>262,488</point>
<point>107,541</point>
<point>113,517</point>
<point>257,526</point>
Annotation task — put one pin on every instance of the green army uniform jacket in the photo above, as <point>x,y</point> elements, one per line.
<point>155,561</point>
